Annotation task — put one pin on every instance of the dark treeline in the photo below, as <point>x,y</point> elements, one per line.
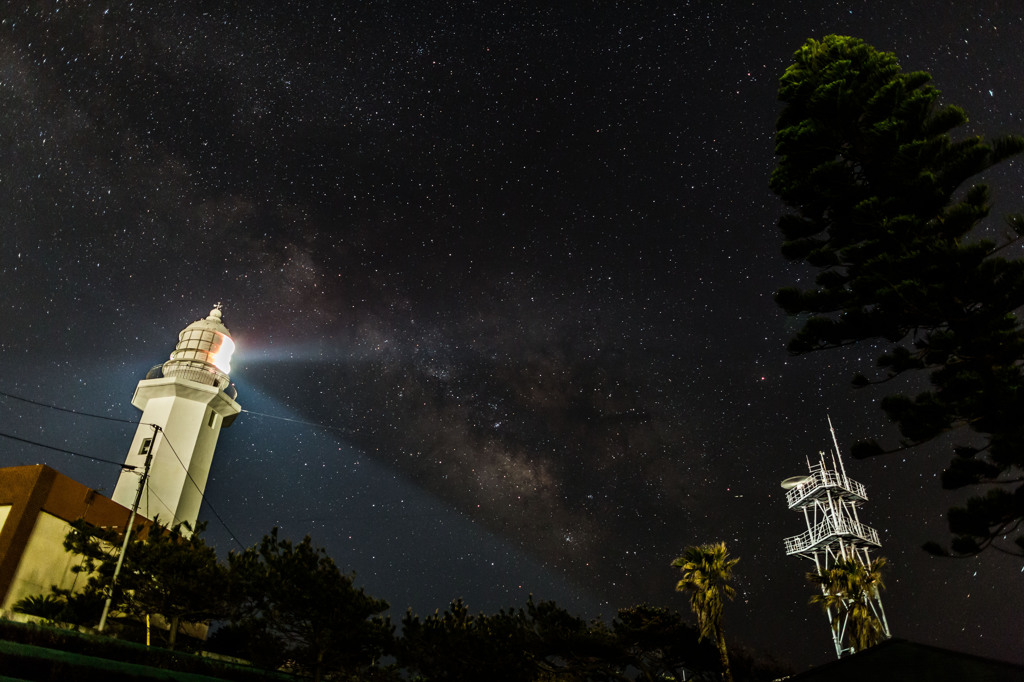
<point>285,605</point>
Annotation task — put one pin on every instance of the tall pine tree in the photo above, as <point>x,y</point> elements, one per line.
<point>293,604</point>
<point>887,207</point>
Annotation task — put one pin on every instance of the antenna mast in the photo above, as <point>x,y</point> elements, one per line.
<point>835,444</point>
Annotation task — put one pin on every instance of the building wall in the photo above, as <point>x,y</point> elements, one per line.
<point>39,503</point>
<point>44,562</point>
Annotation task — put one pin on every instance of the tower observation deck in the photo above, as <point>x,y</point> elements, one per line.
<point>829,500</point>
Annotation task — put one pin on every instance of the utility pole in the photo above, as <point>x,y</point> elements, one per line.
<point>128,530</point>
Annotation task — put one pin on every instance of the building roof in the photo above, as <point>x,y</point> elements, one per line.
<point>25,491</point>
<point>897,660</point>
<point>214,322</point>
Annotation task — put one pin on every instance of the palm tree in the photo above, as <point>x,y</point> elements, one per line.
<point>848,590</point>
<point>49,607</point>
<point>707,570</point>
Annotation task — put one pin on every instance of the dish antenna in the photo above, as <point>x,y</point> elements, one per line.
<point>794,481</point>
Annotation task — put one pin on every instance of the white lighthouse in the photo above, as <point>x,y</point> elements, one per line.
<point>185,402</point>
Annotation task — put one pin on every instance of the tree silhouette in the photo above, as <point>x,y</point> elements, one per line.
<point>165,573</point>
<point>458,645</point>
<point>177,576</point>
<point>848,588</point>
<point>661,646</point>
<point>292,603</point>
<point>49,607</point>
<point>887,209</point>
<point>706,572</point>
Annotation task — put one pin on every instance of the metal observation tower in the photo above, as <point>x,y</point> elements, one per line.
<point>829,500</point>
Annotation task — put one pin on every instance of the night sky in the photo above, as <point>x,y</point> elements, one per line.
<point>500,277</point>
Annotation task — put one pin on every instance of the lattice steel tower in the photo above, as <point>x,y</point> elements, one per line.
<point>829,500</point>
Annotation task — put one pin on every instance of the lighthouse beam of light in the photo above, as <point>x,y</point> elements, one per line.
<point>314,352</point>
<point>358,505</point>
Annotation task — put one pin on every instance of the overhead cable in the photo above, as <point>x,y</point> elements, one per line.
<point>66,451</point>
<point>64,409</point>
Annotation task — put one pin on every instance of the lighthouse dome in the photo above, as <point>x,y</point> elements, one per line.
<point>203,353</point>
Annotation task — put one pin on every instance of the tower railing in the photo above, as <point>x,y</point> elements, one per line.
<point>820,479</point>
<point>821,533</point>
<point>196,374</point>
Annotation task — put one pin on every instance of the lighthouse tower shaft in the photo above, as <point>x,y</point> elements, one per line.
<point>185,403</point>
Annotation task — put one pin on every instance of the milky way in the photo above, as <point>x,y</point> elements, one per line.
<point>500,278</point>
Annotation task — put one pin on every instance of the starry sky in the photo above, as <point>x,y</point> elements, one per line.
<point>500,275</point>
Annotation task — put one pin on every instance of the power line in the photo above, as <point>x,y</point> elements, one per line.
<point>80,413</point>
<point>133,423</point>
<point>122,465</point>
<point>66,451</point>
<point>64,409</point>
<point>201,493</point>
<point>342,429</point>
